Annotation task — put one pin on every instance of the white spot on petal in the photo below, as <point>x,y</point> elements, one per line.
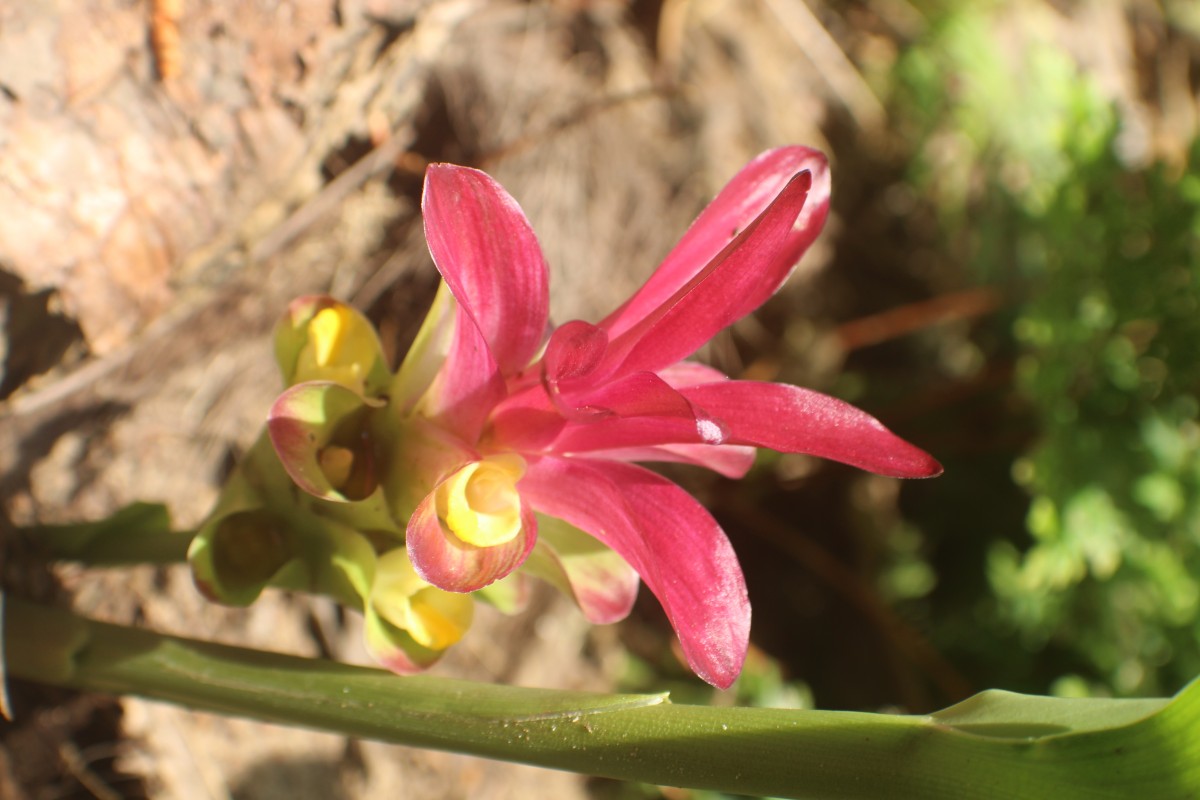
<point>710,431</point>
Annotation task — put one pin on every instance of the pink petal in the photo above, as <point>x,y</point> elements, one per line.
<point>523,427</point>
<point>624,433</point>
<point>534,418</point>
<point>690,373</point>
<point>743,199</point>
<point>469,384</point>
<point>737,280</point>
<point>773,415</point>
<point>601,582</point>
<point>794,420</point>
<point>573,354</point>
<point>729,460</point>
<point>673,543</point>
<point>490,258</point>
<point>574,351</point>
<point>449,563</point>
<point>638,395</point>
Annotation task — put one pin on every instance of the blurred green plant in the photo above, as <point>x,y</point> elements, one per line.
<point>1019,150</point>
<point>1110,362</point>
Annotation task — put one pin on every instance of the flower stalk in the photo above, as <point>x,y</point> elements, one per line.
<point>139,533</point>
<point>995,745</point>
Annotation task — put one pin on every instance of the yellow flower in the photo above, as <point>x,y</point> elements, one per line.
<point>433,618</point>
<point>480,503</point>
<point>341,347</point>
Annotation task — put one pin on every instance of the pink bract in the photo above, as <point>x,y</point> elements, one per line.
<point>602,395</point>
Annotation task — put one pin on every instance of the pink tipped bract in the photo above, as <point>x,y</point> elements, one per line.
<point>603,395</point>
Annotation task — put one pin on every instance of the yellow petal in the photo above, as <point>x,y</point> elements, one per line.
<point>341,347</point>
<point>480,503</point>
<point>433,618</point>
<point>438,619</point>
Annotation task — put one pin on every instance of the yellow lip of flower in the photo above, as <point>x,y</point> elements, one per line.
<point>480,503</point>
<point>341,347</point>
<point>438,619</point>
<point>325,333</point>
<point>432,617</point>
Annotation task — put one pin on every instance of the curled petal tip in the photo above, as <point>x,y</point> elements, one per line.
<point>318,431</point>
<point>897,458</point>
<point>443,559</point>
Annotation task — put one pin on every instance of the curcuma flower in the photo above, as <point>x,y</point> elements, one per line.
<point>496,452</point>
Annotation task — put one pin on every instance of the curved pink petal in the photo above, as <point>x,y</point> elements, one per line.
<point>533,419</point>
<point>623,433</point>
<point>489,256</point>
<point>673,543</point>
<point>468,385</point>
<point>447,562</point>
<point>794,420</point>
<point>573,354</point>
<point>637,395</point>
<point>731,461</point>
<point>523,427</point>
<point>690,373</point>
<point>735,282</point>
<point>742,200</point>
<point>773,415</point>
<point>574,351</point>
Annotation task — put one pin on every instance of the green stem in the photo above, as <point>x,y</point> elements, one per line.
<point>137,534</point>
<point>636,737</point>
<point>156,548</point>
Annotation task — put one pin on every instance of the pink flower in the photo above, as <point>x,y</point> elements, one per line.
<point>493,431</point>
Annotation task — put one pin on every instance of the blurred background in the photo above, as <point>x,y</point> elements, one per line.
<point>1010,279</point>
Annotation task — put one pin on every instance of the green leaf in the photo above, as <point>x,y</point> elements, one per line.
<point>1008,715</point>
<point>137,533</point>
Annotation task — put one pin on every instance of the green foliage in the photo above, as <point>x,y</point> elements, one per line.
<point>1019,152</point>
<point>991,102</point>
<point>1109,331</point>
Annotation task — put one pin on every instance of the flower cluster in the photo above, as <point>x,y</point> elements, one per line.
<point>495,452</point>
